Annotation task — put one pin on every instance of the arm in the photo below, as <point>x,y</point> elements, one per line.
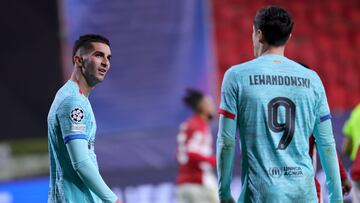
<point>347,146</point>
<point>326,145</point>
<point>327,152</point>
<point>88,172</point>
<point>345,182</point>
<point>343,174</point>
<point>196,157</point>
<point>226,135</point>
<point>194,146</point>
<point>225,156</point>
<point>74,120</point>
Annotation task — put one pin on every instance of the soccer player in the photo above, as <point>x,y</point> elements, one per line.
<point>351,147</point>
<point>74,173</point>
<point>196,181</point>
<point>276,104</point>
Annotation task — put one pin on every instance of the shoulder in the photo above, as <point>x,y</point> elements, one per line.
<point>189,124</point>
<point>238,68</point>
<point>69,93</point>
<point>234,75</point>
<point>237,71</point>
<point>312,74</point>
<point>356,111</point>
<point>73,108</point>
<point>72,103</point>
<point>196,123</point>
<point>74,100</point>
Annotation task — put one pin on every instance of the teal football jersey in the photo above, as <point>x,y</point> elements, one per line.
<point>70,117</point>
<point>276,103</point>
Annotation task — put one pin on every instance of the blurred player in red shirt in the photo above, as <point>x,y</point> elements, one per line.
<point>196,180</point>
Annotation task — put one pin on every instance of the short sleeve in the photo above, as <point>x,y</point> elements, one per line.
<point>73,119</point>
<point>323,110</point>
<point>229,95</point>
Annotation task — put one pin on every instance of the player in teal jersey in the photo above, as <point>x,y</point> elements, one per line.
<point>276,104</point>
<point>74,173</point>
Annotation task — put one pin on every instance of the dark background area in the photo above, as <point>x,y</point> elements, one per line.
<point>30,68</point>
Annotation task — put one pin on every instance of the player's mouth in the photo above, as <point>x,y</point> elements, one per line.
<point>102,71</point>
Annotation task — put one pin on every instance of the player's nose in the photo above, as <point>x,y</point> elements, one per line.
<point>105,63</point>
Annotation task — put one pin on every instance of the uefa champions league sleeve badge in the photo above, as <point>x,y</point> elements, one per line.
<point>77,115</point>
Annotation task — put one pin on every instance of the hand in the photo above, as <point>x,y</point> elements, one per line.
<point>346,187</point>
<point>228,201</point>
<point>118,201</point>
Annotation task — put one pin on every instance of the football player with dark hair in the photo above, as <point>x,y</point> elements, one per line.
<point>74,172</point>
<point>275,104</point>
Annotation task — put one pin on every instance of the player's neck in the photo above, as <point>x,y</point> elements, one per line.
<point>79,79</point>
<point>273,50</point>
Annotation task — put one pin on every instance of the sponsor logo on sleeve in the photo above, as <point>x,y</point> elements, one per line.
<point>77,115</point>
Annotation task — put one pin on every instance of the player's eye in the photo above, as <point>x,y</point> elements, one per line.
<point>98,54</point>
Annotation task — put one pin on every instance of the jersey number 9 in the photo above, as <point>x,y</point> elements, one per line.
<point>289,126</point>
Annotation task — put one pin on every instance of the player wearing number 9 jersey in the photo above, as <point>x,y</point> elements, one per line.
<point>276,104</point>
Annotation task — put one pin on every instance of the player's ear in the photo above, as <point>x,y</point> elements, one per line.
<point>77,60</point>
<point>260,35</point>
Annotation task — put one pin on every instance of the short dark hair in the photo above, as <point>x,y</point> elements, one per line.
<point>275,23</point>
<point>192,98</point>
<point>85,41</point>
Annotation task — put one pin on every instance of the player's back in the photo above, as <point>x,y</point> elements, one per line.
<point>276,108</point>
